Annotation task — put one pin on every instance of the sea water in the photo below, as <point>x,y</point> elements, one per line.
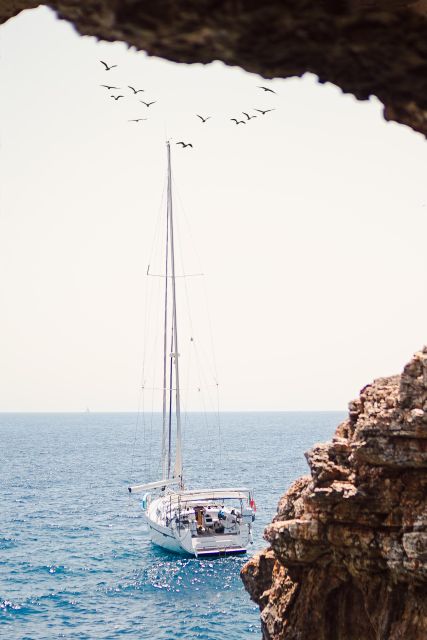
<point>75,556</point>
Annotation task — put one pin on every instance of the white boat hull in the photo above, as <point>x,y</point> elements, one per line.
<point>162,537</point>
<point>212,546</point>
<point>184,541</point>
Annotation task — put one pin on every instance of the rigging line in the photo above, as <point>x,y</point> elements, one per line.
<point>165,333</point>
<point>198,367</point>
<point>185,402</point>
<point>177,192</point>
<point>200,376</point>
<point>206,388</point>
<point>215,405</point>
<point>155,363</point>
<point>210,330</point>
<point>187,299</point>
<point>215,370</point>
<point>187,382</point>
<point>141,395</point>
<point>211,360</point>
<point>219,424</point>
<point>193,243</point>
<point>137,421</point>
<point>134,438</point>
<point>205,357</point>
<point>186,388</point>
<point>146,341</point>
<point>198,364</point>
<point>144,349</point>
<point>157,227</point>
<point>147,331</point>
<point>152,337</point>
<point>184,275</point>
<point>144,431</point>
<point>208,313</point>
<point>142,386</point>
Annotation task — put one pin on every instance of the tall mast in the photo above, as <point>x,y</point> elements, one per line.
<point>177,473</point>
<point>169,454</point>
<point>165,462</point>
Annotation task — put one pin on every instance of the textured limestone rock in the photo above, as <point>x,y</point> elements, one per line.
<point>348,546</point>
<point>366,47</point>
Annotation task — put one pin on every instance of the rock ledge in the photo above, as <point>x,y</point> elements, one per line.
<point>366,47</point>
<point>348,554</point>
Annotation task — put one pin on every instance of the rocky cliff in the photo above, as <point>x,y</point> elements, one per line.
<point>348,546</point>
<point>366,47</point>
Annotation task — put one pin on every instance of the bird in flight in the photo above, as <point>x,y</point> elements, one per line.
<point>147,104</point>
<point>264,112</point>
<point>267,89</point>
<point>237,121</point>
<point>107,68</point>
<point>116,97</point>
<point>188,144</point>
<point>248,116</point>
<point>135,91</point>
<point>109,88</point>
<point>202,118</point>
<point>137,119</point>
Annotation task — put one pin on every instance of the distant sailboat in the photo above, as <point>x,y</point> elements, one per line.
<point>198,522</point>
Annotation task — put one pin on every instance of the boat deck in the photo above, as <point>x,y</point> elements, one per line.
<point>214,546</point>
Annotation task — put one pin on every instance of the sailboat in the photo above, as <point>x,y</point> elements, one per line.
<point>195,522</point>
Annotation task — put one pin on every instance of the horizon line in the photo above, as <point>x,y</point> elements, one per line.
<point>90,412</point>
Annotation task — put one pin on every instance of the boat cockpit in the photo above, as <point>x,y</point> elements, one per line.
<point>210,519</point>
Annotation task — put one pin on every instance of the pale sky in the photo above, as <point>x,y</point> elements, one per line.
<point>310,224</point>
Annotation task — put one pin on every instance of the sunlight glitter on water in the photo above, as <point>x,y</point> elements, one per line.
<point>76,557</point>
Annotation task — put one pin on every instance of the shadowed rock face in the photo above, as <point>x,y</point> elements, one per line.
<point>366,47</point>
<point>348,554</point>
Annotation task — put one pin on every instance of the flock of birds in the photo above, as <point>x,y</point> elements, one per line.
<point>203,119</point>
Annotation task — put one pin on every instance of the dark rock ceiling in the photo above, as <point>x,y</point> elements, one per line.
<point>366,47</point>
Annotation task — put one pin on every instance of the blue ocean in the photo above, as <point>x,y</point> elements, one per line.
<point>75,557</point>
